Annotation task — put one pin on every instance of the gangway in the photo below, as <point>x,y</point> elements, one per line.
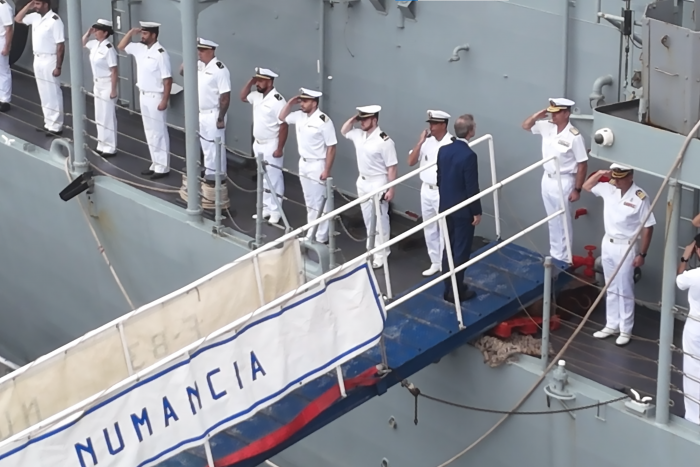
<point>241,364</point>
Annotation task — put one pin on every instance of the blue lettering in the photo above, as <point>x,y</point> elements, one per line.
<point>255,365</point>
<point>194,392</point>
<point>144,419</point>
<point>238,375</point>
<point>113,451</point>
<point>211,388</point>
<point>87,447</point>
<point>168,411</point>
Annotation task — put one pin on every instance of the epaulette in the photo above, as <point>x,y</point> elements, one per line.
<point>322,117</point>
<point>278,97</point>
<point>640,194</point>
<point>574,131</point>
<point>109,46</point>
<point>220,65</point>
<point>55,17</point>
<point>161,50</point>
<point>383,136</point>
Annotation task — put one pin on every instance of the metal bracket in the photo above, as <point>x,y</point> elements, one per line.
<point>407,8</point>
<point>379,5</point>
<point>641,409</point>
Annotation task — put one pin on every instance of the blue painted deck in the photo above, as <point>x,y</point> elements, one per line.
<point>418,332</point>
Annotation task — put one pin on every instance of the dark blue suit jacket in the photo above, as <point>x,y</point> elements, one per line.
<point>458,178</point>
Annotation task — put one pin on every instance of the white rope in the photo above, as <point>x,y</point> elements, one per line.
<point>208,194</point>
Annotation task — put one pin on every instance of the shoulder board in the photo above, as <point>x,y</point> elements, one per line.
<point>278,97</point>
<point>109,46</point>
<point>322,117</point>
<point>574,131</point>
<point>384,136</point>
<point>640,194</point>
<point>220,65</point>
<point>161,50</point>
<point>55,17</point>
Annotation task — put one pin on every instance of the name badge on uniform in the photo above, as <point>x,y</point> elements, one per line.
<point>627,203</point>
<point>564,143</point>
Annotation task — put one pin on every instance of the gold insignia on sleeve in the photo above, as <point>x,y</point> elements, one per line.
<point>574,131</point>
<point>640,194</point>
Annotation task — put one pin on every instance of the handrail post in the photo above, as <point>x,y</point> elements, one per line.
<point>259,201</point>
<point>330,205</point>
<point>453,278</point>
<point>546,309</point>
<point>668,302</point>
<point>217,185</point>
<point>565,207</point>
<point>385,253</point>
<point>494,180</point>
<point>372,234</point>
<point>75,55</point>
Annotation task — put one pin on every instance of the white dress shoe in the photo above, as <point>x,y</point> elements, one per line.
<point>623,339</point>
<point>605,332</point>
<point>435,268</point>
<point>266,214</point>
<point>376,264</point>
<point>274,218</point>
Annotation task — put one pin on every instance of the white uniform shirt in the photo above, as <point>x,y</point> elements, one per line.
<point>690,280</point>
<point>375,151</point>
<point>102,57</point>
<point>7,16</point>
<point>622,215</point>
<point>214,79</point>
<point>567,146</point>
<point>266,112</point>
<point>428,155</point>
<point>315,133</point>
<point>152,65</point>
<point>47,31</point>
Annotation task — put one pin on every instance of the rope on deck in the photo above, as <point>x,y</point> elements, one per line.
<point>497,351</point>
<point>208,194</point>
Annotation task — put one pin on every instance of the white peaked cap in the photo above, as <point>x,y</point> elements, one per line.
<point>437,116</point>
<point>368,110</point>
<point>148,24</point>
<point>206,44</point>
<point>619,167</point>
<point>265,73</point>
<point>559,103</point>
<point>309,93</point>
<point>104,22</point>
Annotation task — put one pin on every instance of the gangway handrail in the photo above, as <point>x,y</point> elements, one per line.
<point>77,409</point>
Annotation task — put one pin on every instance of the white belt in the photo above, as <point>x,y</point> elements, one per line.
<point>618,241</point>
<point>157,93</point>
<point>430,186</point>
<point>265,141</point>
<point>551,175</point>
<point>373,177</point>
<point>209,111</point>
<point>102,78</point>
<point>306,159</point>
<point>39,54</point>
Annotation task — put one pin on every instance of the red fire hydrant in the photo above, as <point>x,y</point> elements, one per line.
<point>587,261</point>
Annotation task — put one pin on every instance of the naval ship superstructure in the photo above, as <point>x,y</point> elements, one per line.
<point>95,375</point>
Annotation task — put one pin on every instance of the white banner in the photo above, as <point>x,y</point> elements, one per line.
<point>226,381</point>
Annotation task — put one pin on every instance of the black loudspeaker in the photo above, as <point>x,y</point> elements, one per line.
<point>19,39</point>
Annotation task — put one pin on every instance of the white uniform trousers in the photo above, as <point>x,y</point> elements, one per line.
<point>49,91</point>
<point>156,129</point>
<point>430,206</point>
<point>5,75</point>
<point>208,132</point>
<point>314,189</point>
<point>552,203</point>
<point>691,368</point>
<point>366,185</point>
<point>105,115</point>
<point>274,164</point>
<point>619,300</point>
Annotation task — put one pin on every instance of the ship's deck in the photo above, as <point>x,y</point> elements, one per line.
<point>602,361</point>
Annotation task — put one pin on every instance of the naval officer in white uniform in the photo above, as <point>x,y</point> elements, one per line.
<point>154,80</point>
<point>103,61</point>
<point>625,206</point>
<point>429,142</point>
<point>48,44</point>
<point>563,140</point>
<point>270,134</point>
<point>690,280</point>
<point>7,23</point>
<point>214,85</point>
<point>316,141</point>
<point>377,166</point>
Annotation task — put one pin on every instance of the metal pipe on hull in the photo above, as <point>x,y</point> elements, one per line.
<point>565,50</point>
<point>75,56</point>
<point>188,13</point>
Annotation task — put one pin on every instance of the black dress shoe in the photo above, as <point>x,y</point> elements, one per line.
<point>156,175</point>
<point>40,130</point>
<point>54,133</point>
<point>108,154</point>
<point>4,106</point>
<point>147,172</point>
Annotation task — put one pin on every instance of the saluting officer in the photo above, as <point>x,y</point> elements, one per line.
<point>690,280</point>
<point>154,80</point>
<point>214,84</point>
<point>429,142</point>
<point>563,140</point>
<point>7,23</point>
<point>103,60</point>
<point>270,135</point>
<point>625,206</point>
<point>48,44</point>
<point>316,141</point>
<point>377,165</point>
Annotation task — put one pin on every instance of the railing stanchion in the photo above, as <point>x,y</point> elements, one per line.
<point>451,264</point>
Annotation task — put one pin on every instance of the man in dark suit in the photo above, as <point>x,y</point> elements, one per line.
<point>458,180</point>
